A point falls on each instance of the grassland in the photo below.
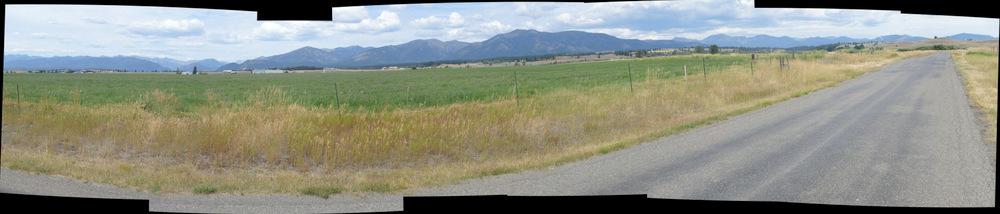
(283, 133)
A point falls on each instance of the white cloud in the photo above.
(386, 22)
(523, 9)
(577, 20)
(350, 14)
(626, 33)
(294, 30)
(306, 30)
(479, 32)
(229, 38)
(271, 31)
(167, 28)
(433, 22)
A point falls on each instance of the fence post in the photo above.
(685, 73)
(703, 72)
(336, 92)
(18, 99)
(517, 103)
(781, 63)
(631, 90)
(788, 62)
(751, 64)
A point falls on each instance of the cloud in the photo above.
(479, 32)
(305, 30)
(577, 20)
(285, 31)
(523, 9)
(626, 33)
(167, 28)
(229, 38)
(271, 31)
(435, 23)
(350, 14)
(385, 22)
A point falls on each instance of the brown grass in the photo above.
(980, 73)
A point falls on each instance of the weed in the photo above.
(323, 192)
(205, 189)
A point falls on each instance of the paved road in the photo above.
(904, 135)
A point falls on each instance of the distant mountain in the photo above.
(203, 65)
(188, 65)
(966, 36)
(165, 62)
(17, 57)
(414, 51)
(532, 42)
(305, 56)
(897, 38)
(82, 62)
(347, 52)
(766, 41)
(514, 43)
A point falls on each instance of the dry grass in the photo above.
(941, 41)
(278, 147)
(979, 68)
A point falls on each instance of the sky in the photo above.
(233, 35)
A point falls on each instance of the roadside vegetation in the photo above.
(979, 68)
(933, 47)
(392, 131)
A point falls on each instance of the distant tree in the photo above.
(640, 53)
(714, 49)
(699, 49)
(195, 71)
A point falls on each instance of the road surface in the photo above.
(902, 136)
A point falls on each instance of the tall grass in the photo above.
(271, 143)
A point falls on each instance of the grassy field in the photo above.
(373, 90)
(394, 130)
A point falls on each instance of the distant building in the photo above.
(264, 71)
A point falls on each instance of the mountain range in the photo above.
(515, 43)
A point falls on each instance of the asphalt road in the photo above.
(902, 136)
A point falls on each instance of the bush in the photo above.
(933, 47)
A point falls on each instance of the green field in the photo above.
(373, 90)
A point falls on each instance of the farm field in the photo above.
(393, 130)
(372, 90)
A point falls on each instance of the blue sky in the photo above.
(230, 35)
